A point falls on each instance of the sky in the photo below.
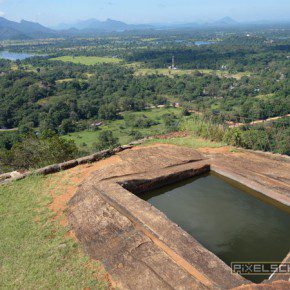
(53, 12)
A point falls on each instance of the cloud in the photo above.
(2, 13)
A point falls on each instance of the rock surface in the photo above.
(264, 172)
(138, 245)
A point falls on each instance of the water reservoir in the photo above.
(226, 219)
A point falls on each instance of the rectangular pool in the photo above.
(227, 220)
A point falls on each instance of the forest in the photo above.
(70, 85)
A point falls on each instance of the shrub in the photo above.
(34, 152)
(171, 122)
(136, 135)
(107, 140)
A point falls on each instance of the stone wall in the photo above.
(15, 175)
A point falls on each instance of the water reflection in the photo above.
(231, 223)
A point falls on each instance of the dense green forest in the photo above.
(234, 77)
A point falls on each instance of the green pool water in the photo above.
(227, 220)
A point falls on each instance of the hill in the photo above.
(108, 25)
(12, 34)
(226, 21)
(23, 30)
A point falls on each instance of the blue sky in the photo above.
(51, 12)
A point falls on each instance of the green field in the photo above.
(87, 60)
(120, 130)
(87, 139)
(179, 72)
(264, 97)
(65, 80)
(188, 141)
(224, 73)
(35, 250)
(161, 71)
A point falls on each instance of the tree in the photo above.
(171, 122)
(136, 135)
(108, 112)
(26, 128)
(67, 126)
(107, 140)
(34, 152)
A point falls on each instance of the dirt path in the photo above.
(235, 125)
(8, 130)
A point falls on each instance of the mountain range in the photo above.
(23, 30)
(32, 30)
(105, 26)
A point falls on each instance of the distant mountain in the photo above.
(109, 25)
(226, 21)
(12, 34)
(23, 30)
(32, 30)
(92, 27)
(102, 26)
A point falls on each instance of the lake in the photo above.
(14, 55)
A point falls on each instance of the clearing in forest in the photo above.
(123, 131)
(87, 60)
(180, 72)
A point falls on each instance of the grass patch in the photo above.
(87, 60)
(179, 72)
(224, 73)
(161, 71)
(264, 97)
(121, 131)
(150, 39)
(34, 252)
(188, 141)
(65, 80)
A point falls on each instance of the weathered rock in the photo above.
(15, 174)
(102, 154)
(138, 245)
(117, 150)
(86, 159)
(277, 285)
(126, 147)
(282, 276)
(65, 165)
(261, 172)
(48, 169)
(5, 176)
(68, 164)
